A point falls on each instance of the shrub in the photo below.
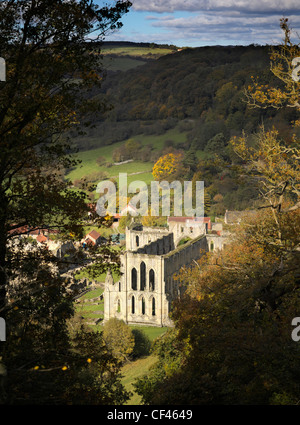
(142, 344)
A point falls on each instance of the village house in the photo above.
(93, 238)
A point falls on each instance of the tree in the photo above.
(153, 221)
(50, 73)
(46, 363)
(282, 66)
(168, 167)
(216, 144)
(232, 342)
(119, 338)
(142, 344)
(276, 165)
(101, 160)
(190, 163)
(132, 147)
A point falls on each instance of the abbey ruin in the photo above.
(147, 287)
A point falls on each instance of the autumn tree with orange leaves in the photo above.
(232, 340)
(168, 167)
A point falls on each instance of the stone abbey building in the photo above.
(147, 287)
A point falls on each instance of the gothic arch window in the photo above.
(211, 246)
(151, 280)
(137, 241)
(143, 306)
(153, 306)
(142, 276)
(134, 279)
(119, 286)
(118, 306)
(132, 304)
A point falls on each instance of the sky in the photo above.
(196, 23)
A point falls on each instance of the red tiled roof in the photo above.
(41, 238)
(18, 230)
(94, 234)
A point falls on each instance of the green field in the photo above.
(89, 164)
(133, 370)
(152, 332)
(136, 51)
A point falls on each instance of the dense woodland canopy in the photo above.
(202, 88)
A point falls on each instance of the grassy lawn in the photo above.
(136, 369)
(133, 370)
(88, 310)
(151, 331)
(93, 294)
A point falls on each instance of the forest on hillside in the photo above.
(202, 89)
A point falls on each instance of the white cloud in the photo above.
(211, 22)
(257, 6)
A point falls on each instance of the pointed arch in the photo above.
(143, 306)
(142, 276)
(151, 280)
(134, 279)
(153, 307)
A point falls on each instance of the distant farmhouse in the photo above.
(147, 287)
(94, 238)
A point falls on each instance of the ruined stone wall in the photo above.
(185, 229)
(131, 299)
(137, 239)
(158, 247)
(146, 289)
(216, 242)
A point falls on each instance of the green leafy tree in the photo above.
(142, 344)
(119, 338)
